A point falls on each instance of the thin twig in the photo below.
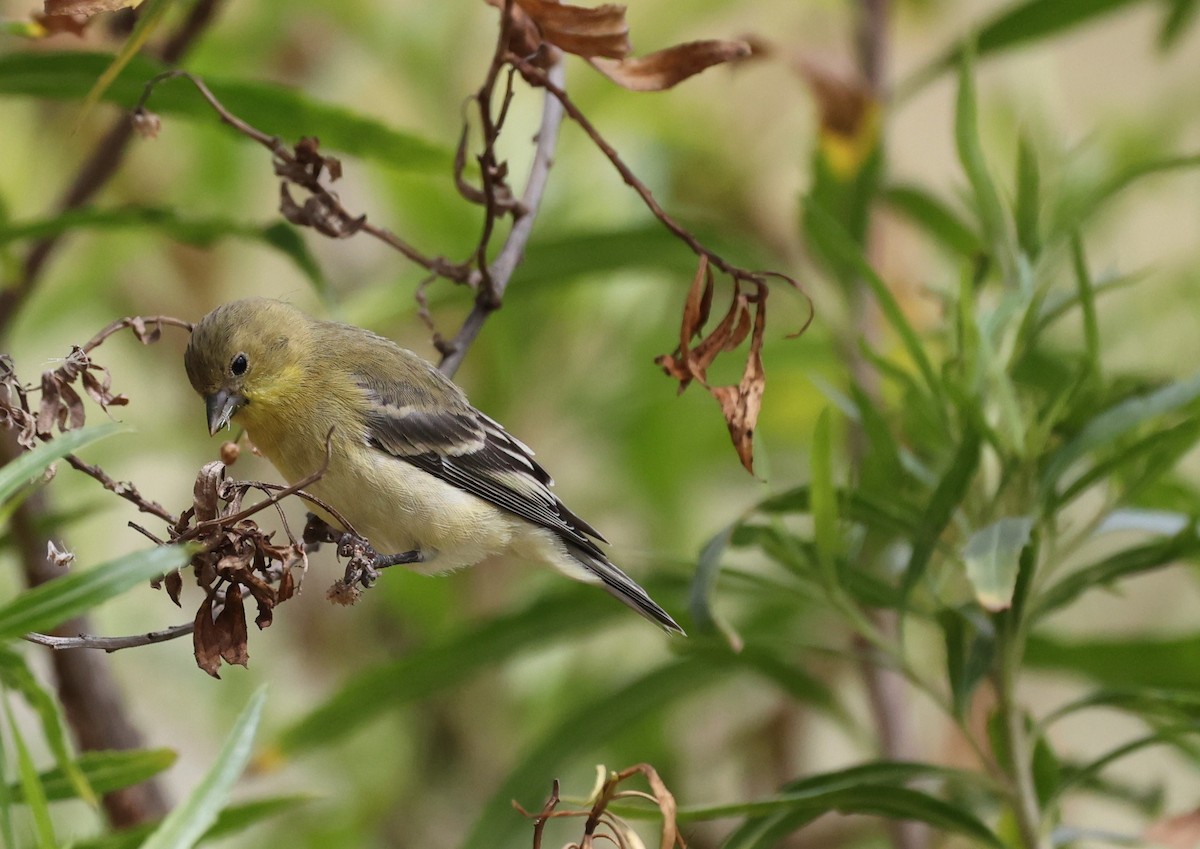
(111, 644)
(501, 270)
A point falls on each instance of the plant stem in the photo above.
(1016, 738)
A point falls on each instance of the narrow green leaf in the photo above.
(578, 733)
(970, 154)
(1081, 775)
(1029, 203)
(824, 500)
(1123, 564)
(853, 505)
(1163, 663)
(842, 246)
(31, 787)
(1076, 210)
(1087, 303)
(1117, 421)
(881, 800)
(149, 16)
(19, 472)
(105, 772)
(1180, 15)
(992, 555)
(952, 488)
(187, 823)
(54, 602)
(1150, 704)
(767, 832)
(233, 819)
(970, 640)
(1059, 302)
(446, 665)
(276, 110)
(7, 833)
(15, 675)
(934, 218)
(200, 232)
(704, 584)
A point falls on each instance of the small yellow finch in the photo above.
(412, 465)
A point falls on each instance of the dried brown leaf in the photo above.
(206, 639)
(231, 622)
(698, 305)
(72, 406)
(86, 8)
(206, 491)
(50, 405)
(47, 25)
(740, 404)
(667, 68)
(599, 31)
(174, 585)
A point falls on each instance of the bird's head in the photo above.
(245, 353)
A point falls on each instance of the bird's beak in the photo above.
(221, 405)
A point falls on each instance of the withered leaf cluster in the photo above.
(600, 34)
(60, 405)
(237, 560)
(746, 316)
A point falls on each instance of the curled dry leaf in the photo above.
(740, 404)
(667, 68)
(47, 25)
(584, 31)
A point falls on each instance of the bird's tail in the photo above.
(626, 589)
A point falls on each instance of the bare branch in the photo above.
(501, 270)
(111, 644)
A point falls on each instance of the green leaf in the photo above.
(882, 800)
(445, 665)
(1166, 663)
(578, 733)
(31, 788)
(1076, 210)
(6, 796)
(149, 16)
(992, 556)
(1087, 303)
(970, 640)
(704, 584)
(16, 676)
(951, 489)
(105, 772)
(187, 823)
(276, 110)
(1093, 769)
(934, 218)
(200, 232)
(1117, 421)
(843, 247)
(1028, 200)
(1123, 564)
(1150, 704)
(54, 602)
(233, 819)
(18, 473)
(970, 154)
(824, 500)
(1180, 15)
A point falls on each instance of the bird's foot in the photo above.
(366, 563)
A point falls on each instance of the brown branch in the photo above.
(327, 215)
(501, 269)
(112, 644)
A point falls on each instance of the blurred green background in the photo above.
(567, 365)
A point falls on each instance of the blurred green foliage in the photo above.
(993, 415)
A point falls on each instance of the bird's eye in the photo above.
(239, 365)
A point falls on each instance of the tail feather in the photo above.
(626, 589)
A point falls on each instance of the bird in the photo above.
(412, 466)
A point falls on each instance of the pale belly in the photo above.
(400, 508)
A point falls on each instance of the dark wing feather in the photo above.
(466, 449)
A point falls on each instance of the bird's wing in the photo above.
(466, 449)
